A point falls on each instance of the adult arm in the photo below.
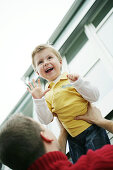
(94, 116)
(62, 139)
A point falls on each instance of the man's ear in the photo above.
(45, 137)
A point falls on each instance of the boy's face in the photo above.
(47, 64)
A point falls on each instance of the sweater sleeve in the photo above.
(99, 159)
(41, 109)
(87, 91)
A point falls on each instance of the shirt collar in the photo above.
(63, 76)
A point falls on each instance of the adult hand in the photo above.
(93, 115)
(36, 90)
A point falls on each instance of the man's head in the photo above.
(47, 62)
(22, 141)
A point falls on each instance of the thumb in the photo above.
(69, 76)
(46, 91)
(79, 118)
(83, 117)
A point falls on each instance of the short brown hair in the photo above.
(20, 142)
(42, 47)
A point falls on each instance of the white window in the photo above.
(105, 32)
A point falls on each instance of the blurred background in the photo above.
(82, 30)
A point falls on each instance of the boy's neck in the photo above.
(56, 79)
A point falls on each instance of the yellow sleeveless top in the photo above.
(67, 103)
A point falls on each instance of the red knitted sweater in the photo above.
(101, 159)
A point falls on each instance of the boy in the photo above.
(66, 96)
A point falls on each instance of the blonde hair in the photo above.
(42, 47)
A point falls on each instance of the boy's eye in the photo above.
(40, 62)
(49, 57)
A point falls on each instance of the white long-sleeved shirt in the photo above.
(86, 90)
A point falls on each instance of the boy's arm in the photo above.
(40, 106)
(87, 91)
(41, 109)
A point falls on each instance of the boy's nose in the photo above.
(46, 63)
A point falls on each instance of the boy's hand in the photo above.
(73, 77)
(36, 90)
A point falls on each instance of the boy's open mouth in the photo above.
(48, 70)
